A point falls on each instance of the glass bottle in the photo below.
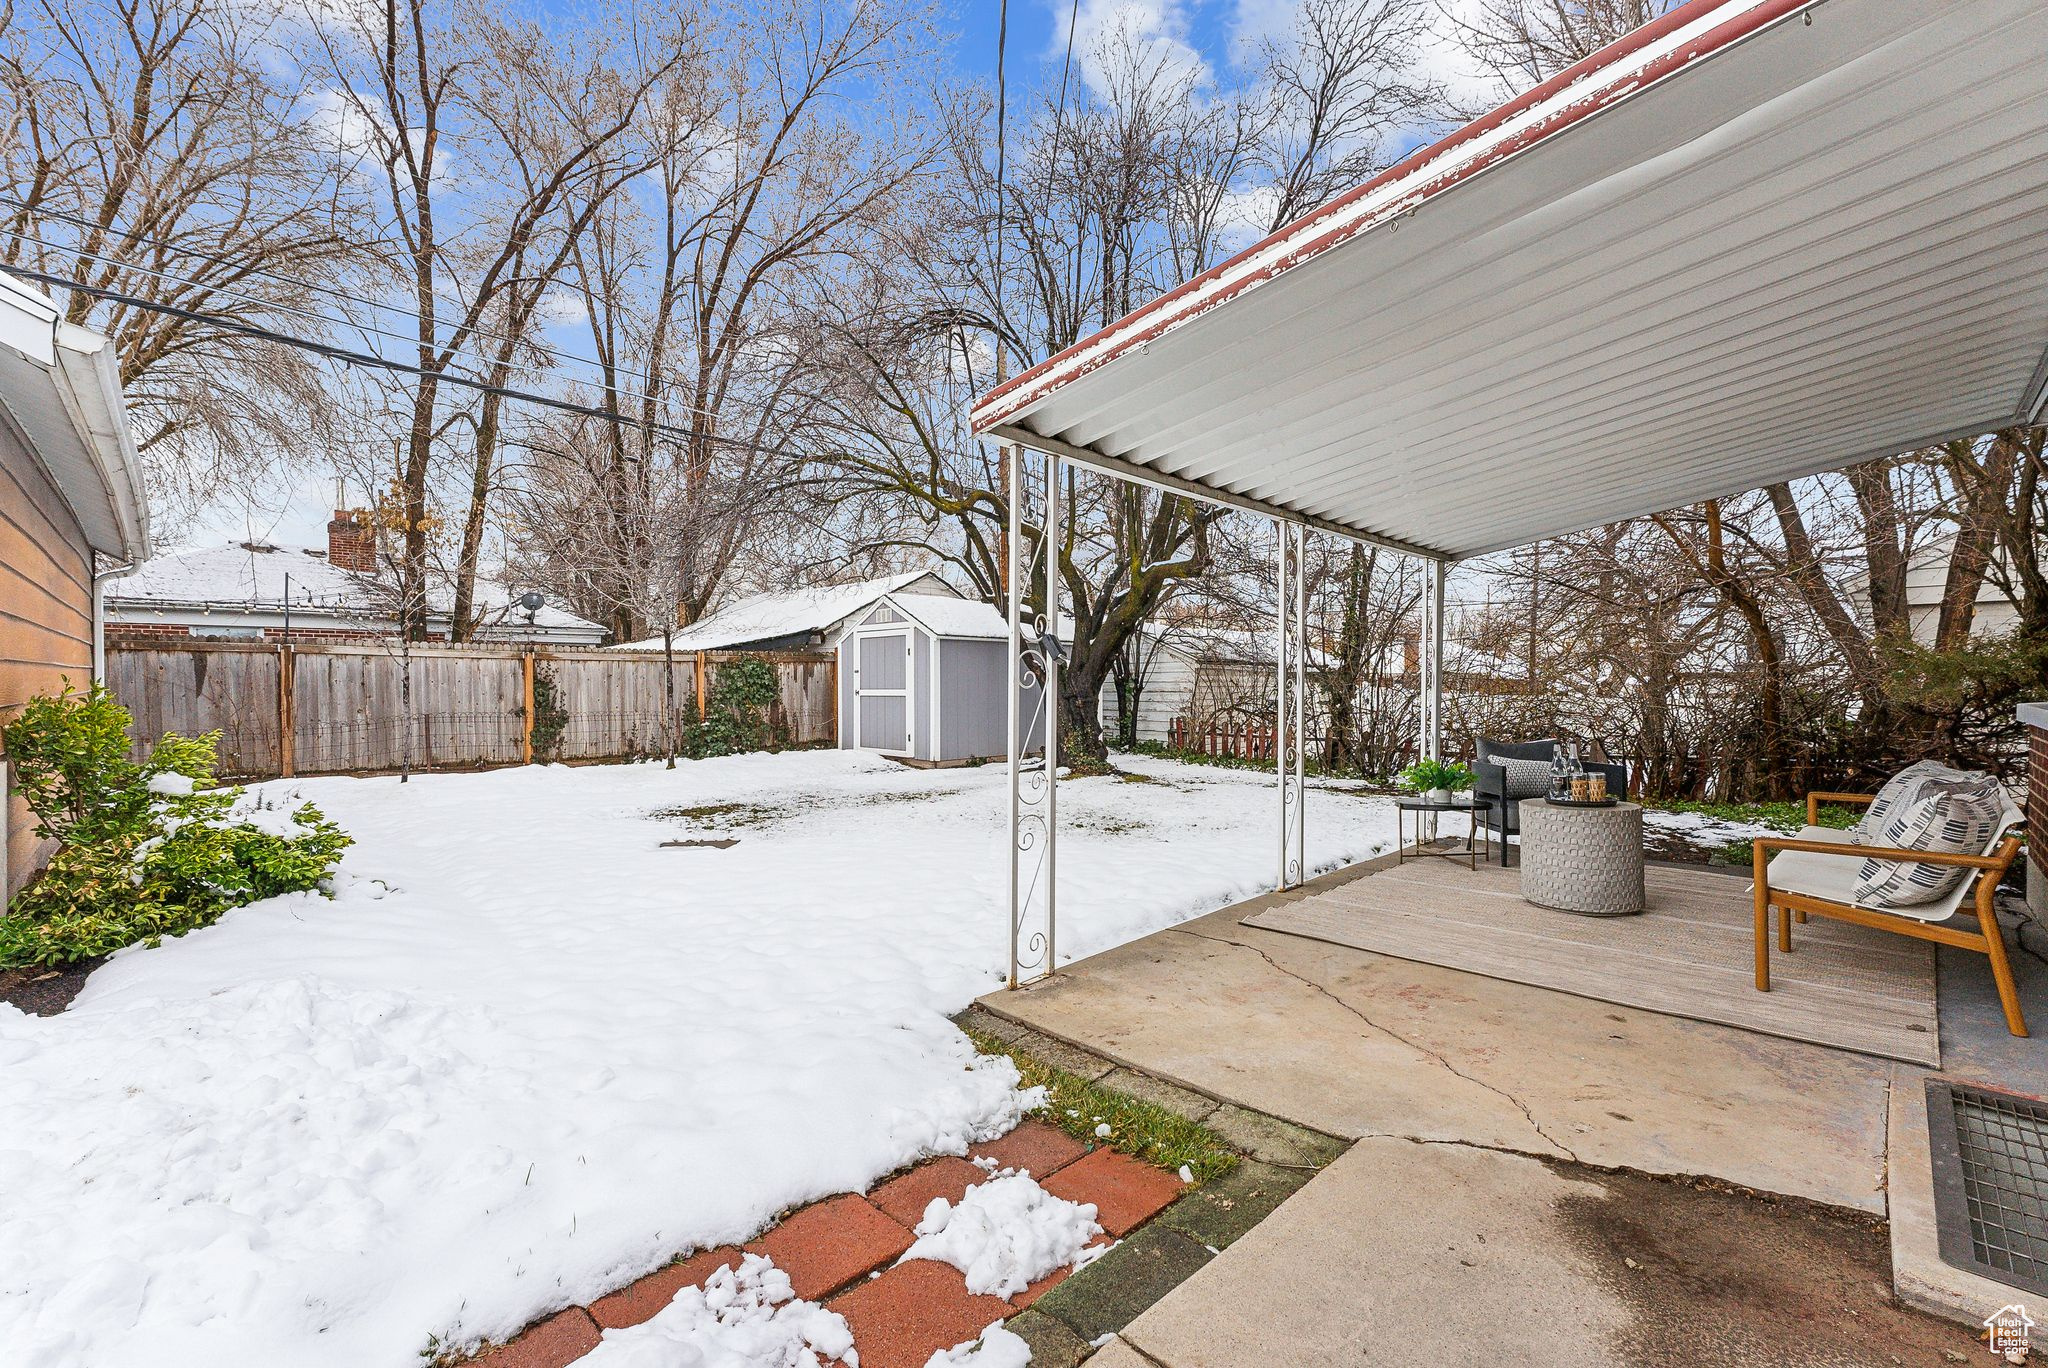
(1560, 773)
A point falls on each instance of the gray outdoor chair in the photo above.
(1490, 781)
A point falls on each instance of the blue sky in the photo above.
(1213, 37)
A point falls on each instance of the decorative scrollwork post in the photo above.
(1291, 702)
(1430, 744)
(1034, 670)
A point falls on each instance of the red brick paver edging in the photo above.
(843, 1251)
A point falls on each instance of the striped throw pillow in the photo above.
(1902, 788)
(1947, 817)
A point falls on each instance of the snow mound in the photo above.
(746, 1317)
(1005, 1234)
(525, 1054)
(998, 1347)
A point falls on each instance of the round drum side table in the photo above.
(1587, 860)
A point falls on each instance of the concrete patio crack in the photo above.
(1125, 1339)
(1434, 1056)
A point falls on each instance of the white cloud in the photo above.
(1443, 58)
(1107, 33)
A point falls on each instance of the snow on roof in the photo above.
(954, 617)
(253, 576)
(783, 613)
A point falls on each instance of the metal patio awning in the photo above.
(1754, 240)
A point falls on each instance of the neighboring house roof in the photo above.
(61, 386)
(792, 616)
(251, 578)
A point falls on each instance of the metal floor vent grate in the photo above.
(1991, 1182)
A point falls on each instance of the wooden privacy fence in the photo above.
(334, 707)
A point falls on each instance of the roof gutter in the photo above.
(89, 384)
(99, 616)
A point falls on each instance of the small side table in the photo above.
(1472, 805)
(1587, 860)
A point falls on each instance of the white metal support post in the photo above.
(1290, 702)
(1034, 711)
(1431, 741)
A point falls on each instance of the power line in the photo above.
(129, 235)
(375, 362)
(1002, 169)
(1059, 117)
(308, 314)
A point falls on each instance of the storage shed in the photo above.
(921, 678)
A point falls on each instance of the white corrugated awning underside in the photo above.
(1769, 239)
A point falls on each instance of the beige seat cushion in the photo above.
(1832, 877)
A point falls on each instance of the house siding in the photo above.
(45, 614)
(922, 657)
(1168, 693)
(974, 713)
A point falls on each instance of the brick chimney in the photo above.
(352, 541)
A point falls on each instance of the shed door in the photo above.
(881, 692)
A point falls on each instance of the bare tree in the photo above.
(493, 145)
(1523, 42)
(630, 541)
(164, 151)
(775, 167)
(1341, 87)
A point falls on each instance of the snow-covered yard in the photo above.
(528, 1052)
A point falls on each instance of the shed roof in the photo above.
(783, 613)
(1753, 240)
(953, 617)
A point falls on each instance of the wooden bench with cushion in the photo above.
(1815, 873)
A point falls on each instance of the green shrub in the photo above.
(148, 850)
(1786, 817)
(550, 716)
(736, 710)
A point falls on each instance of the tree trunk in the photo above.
(1713, 567)
(668, 689)
(1984, 487)
(1884, 555)
(1346, 677)
(412, 513)
(1875, 714)
(462, 626)
(1082, 747)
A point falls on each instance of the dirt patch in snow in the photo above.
(46, 992)
(723, 814)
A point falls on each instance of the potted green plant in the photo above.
(1437, 780)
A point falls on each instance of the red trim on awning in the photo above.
(989, 410)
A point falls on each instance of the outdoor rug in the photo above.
(1689, 954)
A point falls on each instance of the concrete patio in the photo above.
(1507, 1142)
